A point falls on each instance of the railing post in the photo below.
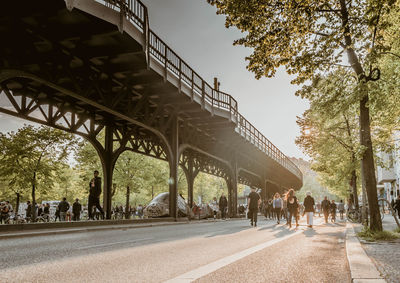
(146, 33)
(121, 17)
(180, 75)
(203, 93)
(212, 101)
(192, 94)
(230, 109)
(165, 64)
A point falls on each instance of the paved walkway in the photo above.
(385, 255)
(268, 253)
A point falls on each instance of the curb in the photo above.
(362, 269)
(99, 228)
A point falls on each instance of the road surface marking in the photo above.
(114, 243)
(209, 268)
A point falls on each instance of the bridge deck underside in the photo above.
(83, 65)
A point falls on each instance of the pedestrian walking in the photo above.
(341, 209)
(284, 211)
(270, 209)
(325, 205)
(76, 210)
(333, 208)
(63, 207)
(223, 204)
(4, 213)
(293, 207)
(94, 195)
(254, 201)
(277, 205)
(140, 211)
(57, 214)
(309, 204)
(46, 212)
(40, 210)
(318, 209)
(28, 211)
(214, 206)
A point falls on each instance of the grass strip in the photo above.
(378, 236)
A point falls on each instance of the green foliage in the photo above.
(207, 187)
(329, 131)
(307, 37)
(34, 158)
(318, 192)
(372, 236)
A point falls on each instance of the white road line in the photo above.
(114, 243)
(209, 268)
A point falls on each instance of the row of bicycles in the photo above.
(355, 215)
(19, 219)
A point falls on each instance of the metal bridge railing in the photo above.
(136, 13)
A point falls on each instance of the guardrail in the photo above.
(136, 13)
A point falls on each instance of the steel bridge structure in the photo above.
(91, 66)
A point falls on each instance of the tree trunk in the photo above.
(34, 197)
(368, 167)
(127, 210)
(354, 187)
(17, 204)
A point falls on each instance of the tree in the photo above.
(329, 132)
(310, 37)
(34, 157)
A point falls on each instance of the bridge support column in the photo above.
(108, 169)
(191, 173)
(173, 168)
(232, 183)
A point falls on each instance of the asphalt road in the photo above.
(157, 254)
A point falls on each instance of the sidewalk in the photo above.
(45, 229)
(384, 255)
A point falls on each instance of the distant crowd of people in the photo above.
(285, 206)
(288, 207)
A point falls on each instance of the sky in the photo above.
(193, 30)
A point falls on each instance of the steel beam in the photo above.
(173, 159)
(108, 161)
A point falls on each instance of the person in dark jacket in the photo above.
(293, 207)
(46, 212)
(253, 202)
(40, 210)
(76, 210)
(28, 211)
(325, 206)
(309, 209)
(63, 207)
(94, 195)
(223, 204)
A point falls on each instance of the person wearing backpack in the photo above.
(293, 207)
(63, 207)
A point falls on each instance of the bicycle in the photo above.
(353, 215)
(382, 207)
